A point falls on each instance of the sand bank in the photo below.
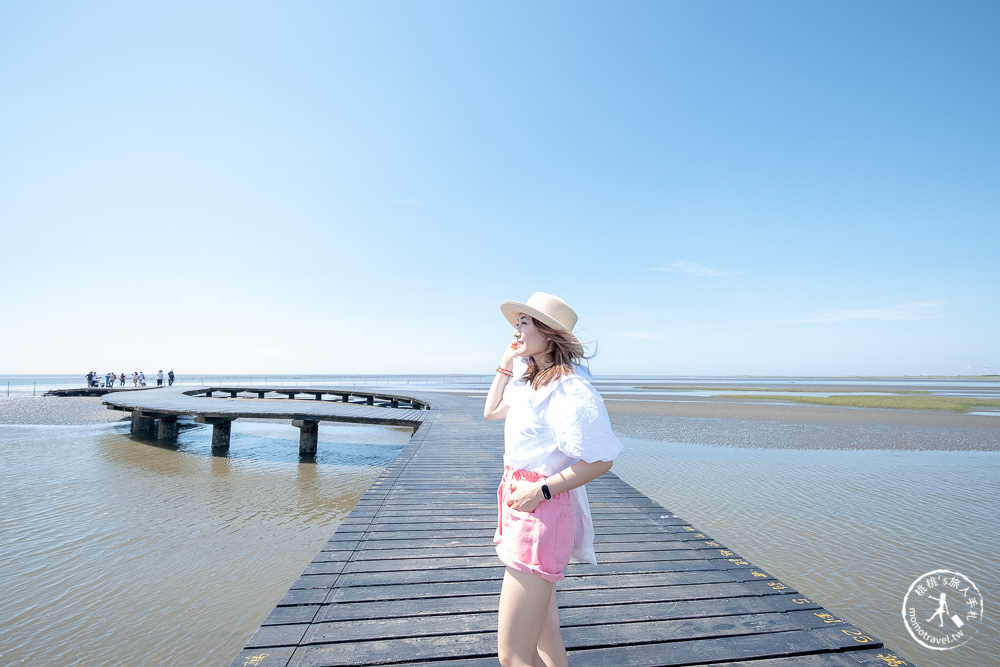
(748, 423)
(50, 410)
(709, 421)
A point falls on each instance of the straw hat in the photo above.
(546, 308)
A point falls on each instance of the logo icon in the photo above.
(942, 610)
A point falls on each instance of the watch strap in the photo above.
(545, 492)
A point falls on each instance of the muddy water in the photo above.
(850, 529)
(118, 552)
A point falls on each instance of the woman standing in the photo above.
(557, 437)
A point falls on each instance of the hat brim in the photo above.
(512, 311)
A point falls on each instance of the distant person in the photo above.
(111, 379)
(170, 378)
(135, 378)
(557, 437)
(90, 379)
(159, 378)
(122, 378)
(107, 379)
(142, 379)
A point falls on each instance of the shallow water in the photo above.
(121, 552)
(851, 529)
(117, 551)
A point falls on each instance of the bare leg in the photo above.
(526, 603)
(550, 642)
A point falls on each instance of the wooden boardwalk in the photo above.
(348, 406)
(411, 578)
(155, 413)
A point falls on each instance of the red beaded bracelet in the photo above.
(505, 371)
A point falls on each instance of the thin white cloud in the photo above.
(923, 310)
(694, 268)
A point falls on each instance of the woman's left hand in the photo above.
(524, 496)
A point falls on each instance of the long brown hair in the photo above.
(566, 351)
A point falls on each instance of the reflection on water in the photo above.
(852, 529)
(117, 551)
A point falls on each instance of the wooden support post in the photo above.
(394, 403)
(308, 436)
(371, 400)
(319, 397)
(167, 429)
(221, 429)
(221, 433)
(346, 398)
(260, 394)
(232, 394)
(141, 424)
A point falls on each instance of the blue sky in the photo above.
(780, 188)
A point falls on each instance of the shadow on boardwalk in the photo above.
(410, 577)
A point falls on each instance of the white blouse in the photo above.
(548, 430)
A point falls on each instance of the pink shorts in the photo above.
(539, 542)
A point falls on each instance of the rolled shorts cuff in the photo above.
(539, 542)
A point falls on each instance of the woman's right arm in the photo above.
(495, 407)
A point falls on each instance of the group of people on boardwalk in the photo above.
(138, 379)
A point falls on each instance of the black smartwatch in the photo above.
(545, 492)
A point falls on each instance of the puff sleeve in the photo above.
(580, 423)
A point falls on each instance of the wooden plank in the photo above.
(875, 657)
(185, 403)
(411, 577)
(702, 650)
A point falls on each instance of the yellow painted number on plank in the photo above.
(858, 636)
(828, 618)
